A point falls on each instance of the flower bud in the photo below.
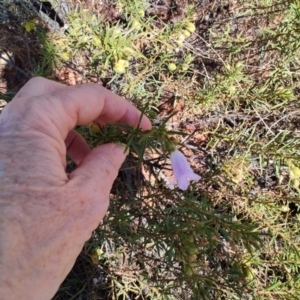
(190, 27)
(172, 67)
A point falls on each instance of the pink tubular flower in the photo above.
(182, 171)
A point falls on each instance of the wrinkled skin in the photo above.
(46, 215)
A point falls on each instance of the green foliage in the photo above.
(234, 234)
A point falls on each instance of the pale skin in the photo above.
(46, 215)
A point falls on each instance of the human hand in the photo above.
(46, 215)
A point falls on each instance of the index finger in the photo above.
(91, 102)
(65, 107)
(37, 86)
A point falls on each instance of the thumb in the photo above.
(99, 168)
(90, 184)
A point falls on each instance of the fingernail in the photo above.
(121, 147)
